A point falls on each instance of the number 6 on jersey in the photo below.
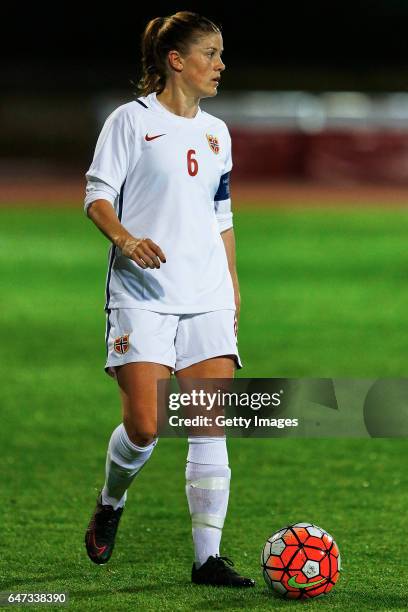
(192, 163)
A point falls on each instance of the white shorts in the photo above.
(177, 341)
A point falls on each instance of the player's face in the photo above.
(203, 66)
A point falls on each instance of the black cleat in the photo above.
(101, 532)
(218, 571)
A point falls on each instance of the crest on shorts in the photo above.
(214, 144)
(121, 344)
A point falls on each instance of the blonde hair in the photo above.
(163, 34)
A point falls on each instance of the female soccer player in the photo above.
(158, 188)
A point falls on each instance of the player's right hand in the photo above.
(144, 252)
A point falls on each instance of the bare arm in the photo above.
(143, 251)
(228, 238)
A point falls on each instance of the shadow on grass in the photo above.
(30, 582)
(145, 588)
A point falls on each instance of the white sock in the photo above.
(207, 490)
(123, 461)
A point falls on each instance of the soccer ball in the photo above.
(300, 561)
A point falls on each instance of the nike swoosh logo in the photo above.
(147, 137)
(99, 549)
(303, 585)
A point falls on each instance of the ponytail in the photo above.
(154, 73)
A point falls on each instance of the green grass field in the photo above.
(324, 294)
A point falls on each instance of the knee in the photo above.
(141, 436)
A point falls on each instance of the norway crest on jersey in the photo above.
(214, 144)
(121, 344)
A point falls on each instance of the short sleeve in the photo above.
(113, 149)
(98, 190)
(228, 157)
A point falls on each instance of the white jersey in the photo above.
(169, 176)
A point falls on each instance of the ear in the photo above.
(176, 61)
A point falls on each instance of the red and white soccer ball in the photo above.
(301, 561)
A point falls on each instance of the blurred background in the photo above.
(313, 95)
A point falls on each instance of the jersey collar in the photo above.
(155, 104)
